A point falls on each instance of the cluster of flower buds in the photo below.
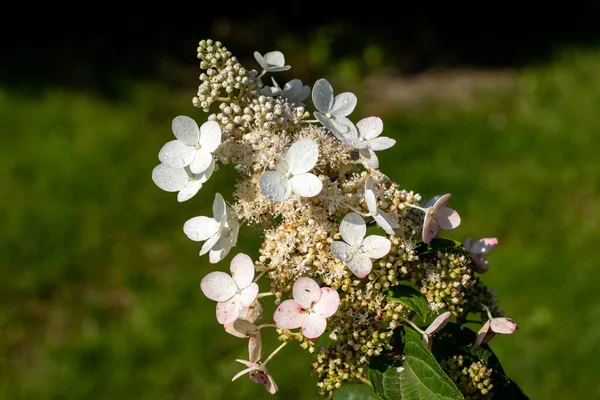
(303, 180)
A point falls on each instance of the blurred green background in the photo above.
(99, 287)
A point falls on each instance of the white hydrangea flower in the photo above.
(386, 221)
(368, 141)
(180, 180)
(333, 110)
(293, 91)
(356, 251)
(273, 61)
(220, 232)
(194, 146)
(292, 174)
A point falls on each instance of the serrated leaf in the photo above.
(406, 293)
(436, 244)
(355, 392)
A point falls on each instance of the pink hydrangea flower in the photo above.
(436, 326)
(493, 326)
(438, 216)
(259, 374)
(309, 309)
(234, 292)
(478, 249)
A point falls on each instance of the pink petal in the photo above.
(430, 227)
(484, 246)
(481, 335)
(306, 292)
(447, 218)
(504, 326)
(229, 311)
(218, 286)
(480, 264)
(242, 270)
(289, 315)
(441, 202)
(264, 378)
(328, 304)
(248, 295)
(255, 347)
(360, 265)
(313, 326)
(438, 323)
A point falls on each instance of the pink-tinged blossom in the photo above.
(478, 249)
(309, 309)
(232, 293)
(438, 216)
(494, 326)
(440, 322)
(259, 374)
(356, 251)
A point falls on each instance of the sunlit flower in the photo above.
(193, 147)
(478, 249)
(180, 180)
(292, 174)
(234, 292)
(259, 374)
(273, 61)
(220, 232)
(356, 250)
(309, 308)
(387, 222)
(333, 110)
(368, 140)
(438, 216)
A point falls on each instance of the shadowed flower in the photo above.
(386, 221)
(493, 326)
(478, 249)
(440, 322)
(259, 374)
(273, 61)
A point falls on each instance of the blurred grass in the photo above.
(99, 285)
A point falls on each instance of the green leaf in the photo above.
(355, 392)
(406, 293)
(436, 244)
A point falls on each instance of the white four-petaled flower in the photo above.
(220, 232)
(386, 221)
(273, 61)
(180, 180)
(478, 249)
(356, 250)
(234, 292)
(438, 216)
(333, 110)
(309, 309)
(293, 91)
(368, 141)
(194, 146)
(292, 174)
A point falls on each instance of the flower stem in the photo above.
(259, 276)
(414, 326)
(310, 121)
(266, 326)
(265, 294)
(274, 352)
(355, 210)
(417, 207)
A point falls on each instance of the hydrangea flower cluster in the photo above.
(338, 234)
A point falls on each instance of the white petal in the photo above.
(210, 136)
(242, 270)
(186, 130)
(189, 191)
(369, 158)
(229, 311)
(341, 250)
(503, 325)
(302, 156)
(322, 96)
(483, 246)
(200, 228)
(219, 207)
(447, 218)
(313, 326)
(169, 179)
(370, 197)
(384, 223)
(289, 315)
(210, 243)
(176, 154)
(248, 295)
(343, 104)
(306, 292)
(202, 161)
(254, 346)
(369, 128)
(328, 303)
(360, 265)
(275, 61)
(260, 60)
(438, 323)
(376, 246)
(218, 286)
(353, 228)
(381, 143)
(306, 185)
(275, 186)
(220, 250)
(343, 127)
